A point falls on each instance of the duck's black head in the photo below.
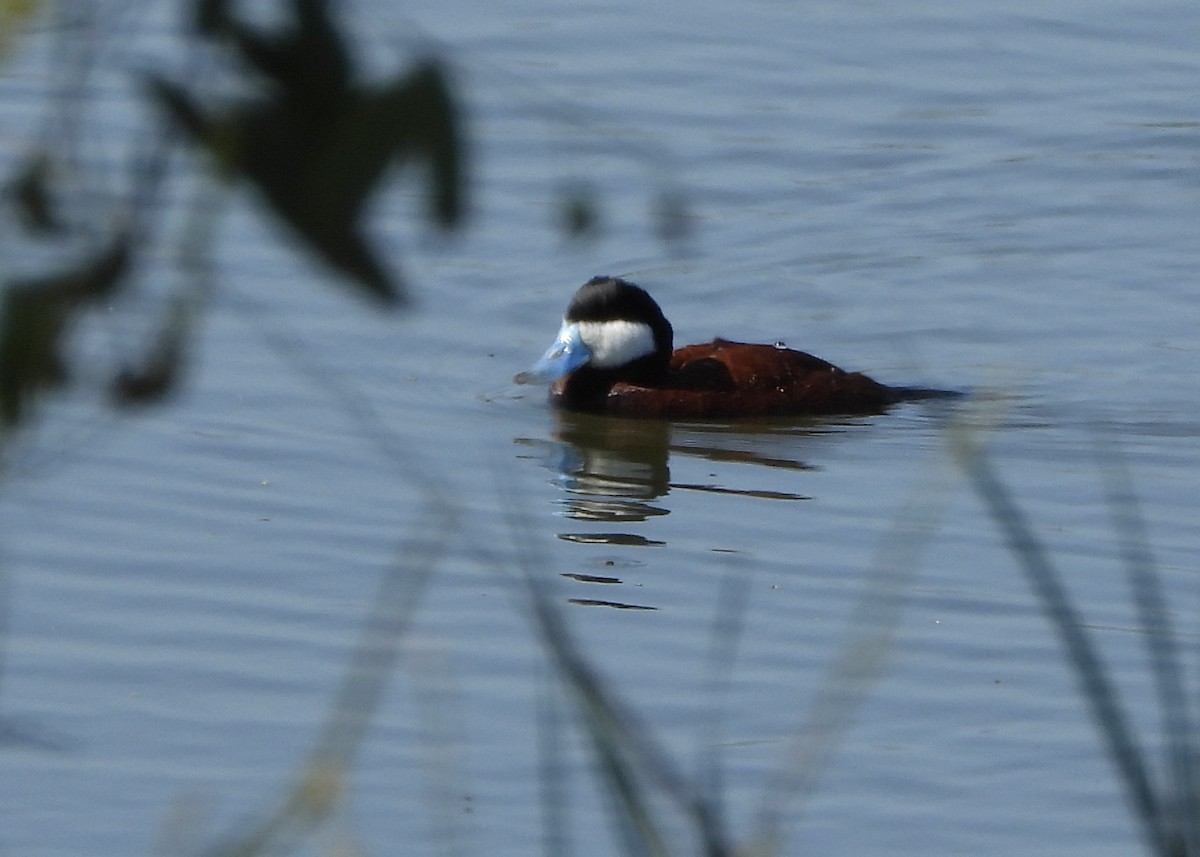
(613, 329)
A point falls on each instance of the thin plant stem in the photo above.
(861, 659)
(1161, 646)
(1097, 690)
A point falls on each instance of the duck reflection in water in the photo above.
(613, 473)
(614, 469)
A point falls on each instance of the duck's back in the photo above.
(723, 379)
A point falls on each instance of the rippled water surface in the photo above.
(1001, 200)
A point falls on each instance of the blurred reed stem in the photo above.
(1165, 815)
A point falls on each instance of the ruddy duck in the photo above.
(613, 355)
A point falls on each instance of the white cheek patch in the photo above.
(615, 343)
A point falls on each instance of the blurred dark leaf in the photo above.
(318, 146)
(31, 194)
(580, 212)
(35, 316)
(414, 115)
(157, 375)
(673, 221)
(177, 103)
(212, 16)
(308, 64)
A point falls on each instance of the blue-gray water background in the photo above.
(979, 196)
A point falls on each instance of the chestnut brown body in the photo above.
(724, 379)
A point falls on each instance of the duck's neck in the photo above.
(587, 388)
